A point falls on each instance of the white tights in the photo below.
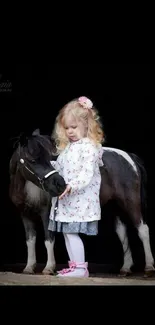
(75, 248)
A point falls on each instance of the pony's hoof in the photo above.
(29, 270)
(124, 273)
(48, 271)
(149, 273)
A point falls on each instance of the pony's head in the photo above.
(32, 159)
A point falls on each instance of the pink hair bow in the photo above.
(85, 102)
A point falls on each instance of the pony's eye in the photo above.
(33, 161)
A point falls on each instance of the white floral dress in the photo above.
(80, 210)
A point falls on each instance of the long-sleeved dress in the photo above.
(78, 211)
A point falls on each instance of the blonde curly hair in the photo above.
(81, 109)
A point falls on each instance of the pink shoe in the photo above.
(75, 270)
(72, 266)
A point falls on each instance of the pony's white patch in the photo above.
(123, 154)
(33, 192)
(122, 234)
(50, 254)
(143, 232)
(31, 251)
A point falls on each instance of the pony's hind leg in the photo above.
(49, 244)
(143, 232)
(122, 234)
(30, 242)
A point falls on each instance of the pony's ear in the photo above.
(36, 132)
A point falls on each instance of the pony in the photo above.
(33, 182)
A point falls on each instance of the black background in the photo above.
(124, 96)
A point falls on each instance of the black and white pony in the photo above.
(33, 181)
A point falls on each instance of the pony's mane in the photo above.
(16, 188)
(38, 144)
(34, 144)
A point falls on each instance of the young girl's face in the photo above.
(75, 129)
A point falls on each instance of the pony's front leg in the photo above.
(49, 244)
(30, 242)
(122, 234)
(50, 265)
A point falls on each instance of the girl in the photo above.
(78, 135)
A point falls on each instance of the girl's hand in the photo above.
(67, 190)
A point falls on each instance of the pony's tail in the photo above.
(143, 176)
